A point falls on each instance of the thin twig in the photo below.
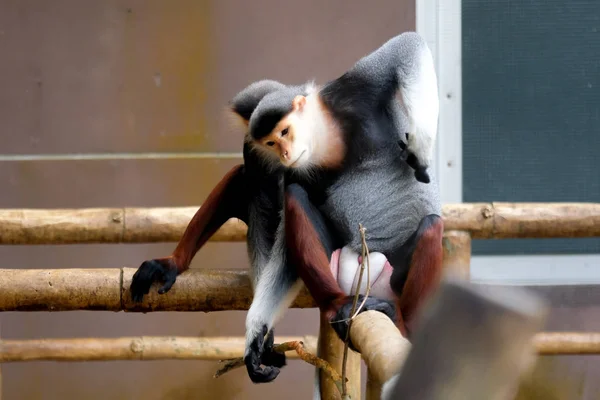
(228, 365)
(365, 254)
(297, 346)
(355, 311)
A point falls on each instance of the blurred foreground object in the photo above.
(471, 343)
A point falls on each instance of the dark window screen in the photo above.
(531, 109)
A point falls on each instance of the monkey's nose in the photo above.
(286, 155)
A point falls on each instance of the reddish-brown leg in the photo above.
(310, 245)
(424, 273)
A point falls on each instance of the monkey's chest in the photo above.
(372, 197)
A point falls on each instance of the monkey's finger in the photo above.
(267, 374)
(143, 279)
(273, 359)
(270, 357)
(169, 278)
(261, 375)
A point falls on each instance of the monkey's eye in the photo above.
(271, 143)
(284, 132)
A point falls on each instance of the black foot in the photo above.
(158, 270)
(261, 353)
(344, 313)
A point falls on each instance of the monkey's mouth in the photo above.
(297, 159)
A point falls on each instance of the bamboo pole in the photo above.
(105, 225)
(0, 362)
(148, 225)
(381, 346)
(457, 254)
(567, 343)
(373, 334)
(135, 348)
(108, 289)
(331, 349)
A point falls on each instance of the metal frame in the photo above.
(440, 22)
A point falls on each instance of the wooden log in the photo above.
(471, 343)
(60, 289)
(167, 225)
(457, 254)
(148, 225)
(108, 289)
(381, 346)
(567, 343)
(105, 225)
(524, 220)
(331, 349)
(134, 348)
(0, 363)
(375, 348)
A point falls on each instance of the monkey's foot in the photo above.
(339, 322)
(261, 353)
(157, 270)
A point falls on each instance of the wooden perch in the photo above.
(375, 348)
(471, 343)
(134, 348)
(147, 225)
(108, 289)
(381, 346)
(195, 290)
(567, 343)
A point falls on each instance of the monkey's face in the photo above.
(285, 142)
(289, 141)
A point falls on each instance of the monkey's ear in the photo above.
(298, 102)
(244, 103)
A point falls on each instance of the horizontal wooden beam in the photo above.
(218, 348)
(148, 225)
(567, 343)
(105, 225)
(135, 348)
(108, 289)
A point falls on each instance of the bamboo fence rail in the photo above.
(147, 225)
(218, 290)
(108, 289)
(218, 348)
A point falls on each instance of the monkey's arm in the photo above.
(226, 200)
(403, 65)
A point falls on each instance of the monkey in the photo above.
(338, 146)
(338, 143)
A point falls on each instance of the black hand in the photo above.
(253, 361)
(269, 356)
(158, 270)
(422, 175)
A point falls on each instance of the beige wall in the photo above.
(109, 76)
